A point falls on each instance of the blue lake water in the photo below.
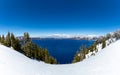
(62, 49)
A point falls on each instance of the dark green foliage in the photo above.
(33, 51)
(52, 60)
(3, 40)
(103, 44)
(81, 55)
(8, 40)
(49, 59)
(108, 36)
(43, 55)
(93, 48)
(116, 35)
(30, 49)
(27, 48)
(26, 37)
(36, 52)
(12, 40)
(17, 45)
(76, 58)
(0, 38)
(83, 51)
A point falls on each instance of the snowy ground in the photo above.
(105, 62)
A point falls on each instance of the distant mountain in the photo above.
(86, 38)
(65, 36)
(77, 37)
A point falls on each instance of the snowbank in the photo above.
(99, 47)
(105, 62)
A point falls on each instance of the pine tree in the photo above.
(41, 54)
(0, 38)
(76, 58)
(12, 39)
(8, 40)
(108, 36)
(103, 44)
(36, 52)
(32, 51)
(26, 37)
(46, 57)
(52, 60)
(3, 40)
(27, 49)
(15, 43)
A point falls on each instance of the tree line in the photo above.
(81, 54)
(27, 47)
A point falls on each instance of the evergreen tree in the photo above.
(8, 40)
(12, 39)
(0, 38)
(52, 60)
(15, 43)
(31, 50)
(117, 35)
(34, 50)
(26, 37)
(27, 49)
(108, 36)
(84, 49)
(80, 55)
(76, 57)
(41, 54)
(46, 57)
(3, 40)
(103, 44)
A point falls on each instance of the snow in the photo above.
(99, 47)
(71, 36)
(105, 62)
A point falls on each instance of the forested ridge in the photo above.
(27, 47)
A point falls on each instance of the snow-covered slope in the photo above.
(105, 62)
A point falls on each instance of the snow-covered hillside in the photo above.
(105, 62)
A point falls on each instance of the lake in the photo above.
(62, 49)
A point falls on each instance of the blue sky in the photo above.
(44, 17)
